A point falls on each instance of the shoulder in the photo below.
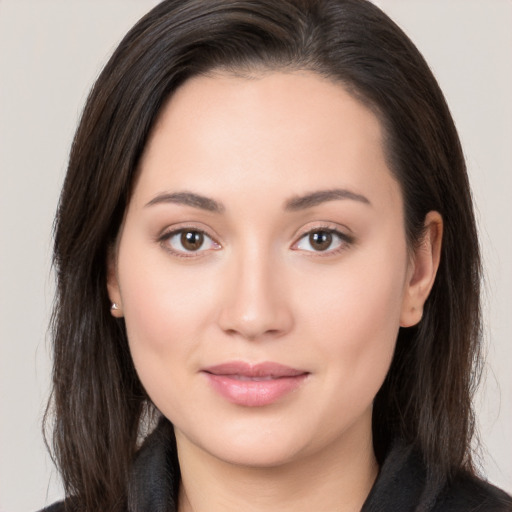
(56, 507)
(405, 484)
(467, 492)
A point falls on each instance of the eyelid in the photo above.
(171, 231)
(333, 227)
(347, 239)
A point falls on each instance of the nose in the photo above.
(255, 303)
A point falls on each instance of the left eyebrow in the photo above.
(322, 196)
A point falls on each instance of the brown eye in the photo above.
(327, 241)
(188, 242)
(192, 240)
(320, 240)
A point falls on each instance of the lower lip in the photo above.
(253, 393)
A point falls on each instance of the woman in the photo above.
(268, 271)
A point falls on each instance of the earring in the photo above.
(114, 306)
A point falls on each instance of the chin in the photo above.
(255, 447)
(260, 456)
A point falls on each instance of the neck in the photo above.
(338, 479)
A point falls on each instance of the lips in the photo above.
(256, 385)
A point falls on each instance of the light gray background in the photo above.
(50, 53)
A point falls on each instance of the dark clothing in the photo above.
(402, 484)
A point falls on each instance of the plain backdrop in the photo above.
(50, 53)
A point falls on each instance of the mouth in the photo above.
(254, 385)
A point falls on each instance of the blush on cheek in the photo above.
(148, 321)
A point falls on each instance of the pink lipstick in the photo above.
(254, 385)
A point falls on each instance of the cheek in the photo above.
(357, 302)
(164, 315)
(160, 298)
(355, 320)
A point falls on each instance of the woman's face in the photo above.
(262, 267)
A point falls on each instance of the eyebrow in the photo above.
(294, 204)
(188, 199)
(322, 196)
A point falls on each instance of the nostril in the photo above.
(253, 335)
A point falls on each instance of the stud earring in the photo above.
(114, 306)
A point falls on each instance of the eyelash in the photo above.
(168, 235)
(344, 241)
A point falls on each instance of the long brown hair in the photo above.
(98, 403)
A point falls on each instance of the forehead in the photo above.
(297, 129)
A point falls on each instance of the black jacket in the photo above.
(401, 486)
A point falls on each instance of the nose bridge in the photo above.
(255, 302)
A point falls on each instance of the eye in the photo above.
(322, 240)
(188, 240)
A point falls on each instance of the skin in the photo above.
(258, 290)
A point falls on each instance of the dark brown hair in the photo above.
(98, 401)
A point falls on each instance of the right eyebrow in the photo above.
(188, 199)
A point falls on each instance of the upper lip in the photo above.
(265, 369)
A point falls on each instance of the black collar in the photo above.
(403, 483)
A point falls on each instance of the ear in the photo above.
(422, 271)
(114, 293)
